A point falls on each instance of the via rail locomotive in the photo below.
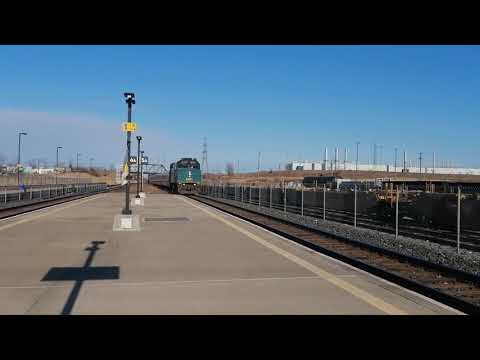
(184, 177)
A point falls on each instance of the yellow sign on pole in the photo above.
(129, 126)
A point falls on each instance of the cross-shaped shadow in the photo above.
(81, 274)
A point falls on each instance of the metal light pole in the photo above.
(78, 154)
(18, 164)
(139, 138)
(56, 170)
(356, 162)
(420, 165)
(258, 167)
(129, 100)
(395, 159)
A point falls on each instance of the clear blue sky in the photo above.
(285, 101)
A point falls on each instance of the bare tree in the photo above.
(229, 168)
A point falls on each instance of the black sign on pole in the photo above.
(144, 160)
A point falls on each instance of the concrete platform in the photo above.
(186, 259)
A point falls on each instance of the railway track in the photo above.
(452, 287)
(27, 206)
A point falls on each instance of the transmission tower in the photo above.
(204, 156)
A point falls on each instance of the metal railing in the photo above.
(15, 195)
(288, 200)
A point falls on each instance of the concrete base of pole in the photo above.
(137, 202)
(126, 223)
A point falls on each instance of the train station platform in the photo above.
(187, 258)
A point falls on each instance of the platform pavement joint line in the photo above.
(49, 211)
(351, 289)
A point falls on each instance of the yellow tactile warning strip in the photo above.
(49, 211)
(351, 289)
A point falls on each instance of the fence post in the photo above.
(259, 197)
(270, 196)
(302, 199)
(285, 199)
(324, 195)
(355, 208)
(5, 193)
(396, 214)
(458, 219)
(250, 196)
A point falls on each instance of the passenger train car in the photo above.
(184, 177)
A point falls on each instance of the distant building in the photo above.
(330, 165)
(46, 171)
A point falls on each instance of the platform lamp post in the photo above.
(56, 170)
(356, 161)
(139, 139)
(129, 99)
(18, 165)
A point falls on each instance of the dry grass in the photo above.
(267, 177)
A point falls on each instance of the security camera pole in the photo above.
(129, 99)
(139, 138)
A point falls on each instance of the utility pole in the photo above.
(395, 159)
(433, 168)
(345, 160)
(78, 154)
(336, 158)
(129, 100)
(326, 159)
(404, 160)
(258, 166)
(420, 158)
(139, 138)
(204, 156)
(56, 170)
(18, 164)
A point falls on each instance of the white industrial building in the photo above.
(331, 165)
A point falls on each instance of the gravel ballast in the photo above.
(468, 261)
